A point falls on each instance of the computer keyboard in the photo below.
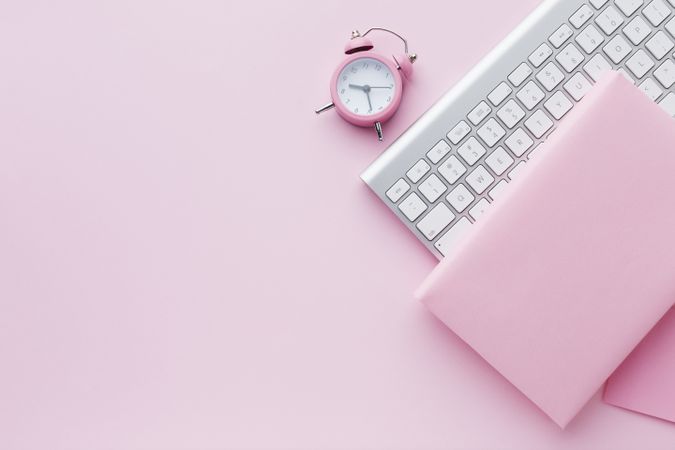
(443, 173)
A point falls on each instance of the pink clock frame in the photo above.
(371, 120)
(399, 65)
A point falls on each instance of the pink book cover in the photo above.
(645, 381)
(572, 267)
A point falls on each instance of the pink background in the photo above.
(188, 258)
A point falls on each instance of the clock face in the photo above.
(366, 87)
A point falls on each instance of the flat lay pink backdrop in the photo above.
(188, 258)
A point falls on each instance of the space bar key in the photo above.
(448, 242)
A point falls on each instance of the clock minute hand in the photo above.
(380, 87)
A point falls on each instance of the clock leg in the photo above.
(378, 130)
(325, 108)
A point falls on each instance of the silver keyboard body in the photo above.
(432, 127)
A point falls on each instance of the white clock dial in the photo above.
(366, 86)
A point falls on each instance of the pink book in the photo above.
(572, 267)
(645, 381)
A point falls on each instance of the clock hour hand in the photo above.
(366, 90)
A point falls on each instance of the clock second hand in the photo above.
(366, 87)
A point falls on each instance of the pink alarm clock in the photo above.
(366, 88)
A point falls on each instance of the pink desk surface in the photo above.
(188, 258)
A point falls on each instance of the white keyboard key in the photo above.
(451, 169)
(570, 57)
(412, 207)
(398, 190)
(666, 74)
(640, 63)
(491, 132)
(629, 6)
(540, 55)
(449, 240)
(519, 141)
(637, 30)
(598, 3)
(499, 94)
(558, 105)
(518, 76)
(530, 95)
(617, 49)
(656, 12)
(651, 89)
(518, 170)
(538, 124)
(670, 26)
(626, 75)
(480, 179)
(460, 198)
(589, 39)
(499, 160)
(560, 36)
(550, 76)
(436, 221)
(417, 171)
(668, 104)
(479, 113)
(471, 151)
(577, 86)
(438, 151)
(597, 66)
(511, 113)
(609, 20)
(479, 209)
(459, 132)
(659, 45)
(498, 190)
(432, 188)
(581, 16)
